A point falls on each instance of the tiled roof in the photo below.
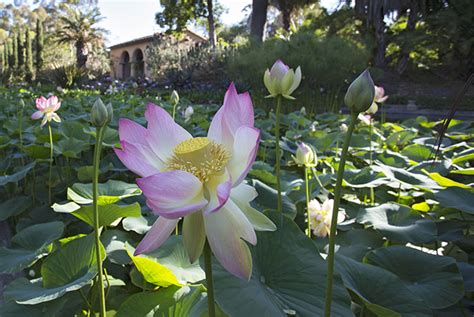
(149, 38)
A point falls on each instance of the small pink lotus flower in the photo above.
(380, 94)
(47, 109)
(200, 179)
(378, 98)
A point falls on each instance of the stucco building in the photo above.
(129, 59)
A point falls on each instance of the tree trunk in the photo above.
(411, 23)
(210, 21)
(258, 20)
(379, 25)
(285, 14)
(81, 54)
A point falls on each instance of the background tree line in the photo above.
(399, 34)
(43, 40)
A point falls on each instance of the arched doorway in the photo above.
(125, 65)
(138, 63)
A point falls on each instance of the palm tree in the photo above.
(79, 27)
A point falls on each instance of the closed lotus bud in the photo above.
(22, 103)
(174, 98)
(361, 93)
(110, 112)
(305, 155)
(99, 114)
(282, 80)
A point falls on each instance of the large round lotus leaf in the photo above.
(288, 276)
(71, 262)
(355, 243)
(114, 242)
(366, 177)
(108, 214)
(467, 272)
(30, 244)
(14, 206)
(465, 155)
(435, 279)
(442, 167)
(37, 151)
(417, 152)
(400, 138)
(39, 235)
(17, 176)
(140, 225)
(71, 147)
(170, 302)
(458, 198)
(172, 254)
(31, 293)
(398, 223)
(109, 192)
(66, 305)
(391, 158)
(408, 179)
(381, 291)
(267, 199)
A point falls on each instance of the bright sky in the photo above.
(130, 19)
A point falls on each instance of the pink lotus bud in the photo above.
(305, 155)
(282, 80)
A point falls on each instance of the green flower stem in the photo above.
(210, 284)
(51, 153)
(306, 180)
(372, 194)
(335, 210)
(174, 110)
(323, 190)
(382, 117)
(95, 194)
(278, 151)
(20, 127)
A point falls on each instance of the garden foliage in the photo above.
(408, 253)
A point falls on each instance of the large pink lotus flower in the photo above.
(47, 109)
(200, 179)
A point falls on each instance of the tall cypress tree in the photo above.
(3, 57)
(21, 50)
(39, 44)
(14, 52)
(28, 56)
(10, 54)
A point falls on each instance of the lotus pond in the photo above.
(404, 243)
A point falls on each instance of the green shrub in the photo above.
(64, 76)
(182, 65)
